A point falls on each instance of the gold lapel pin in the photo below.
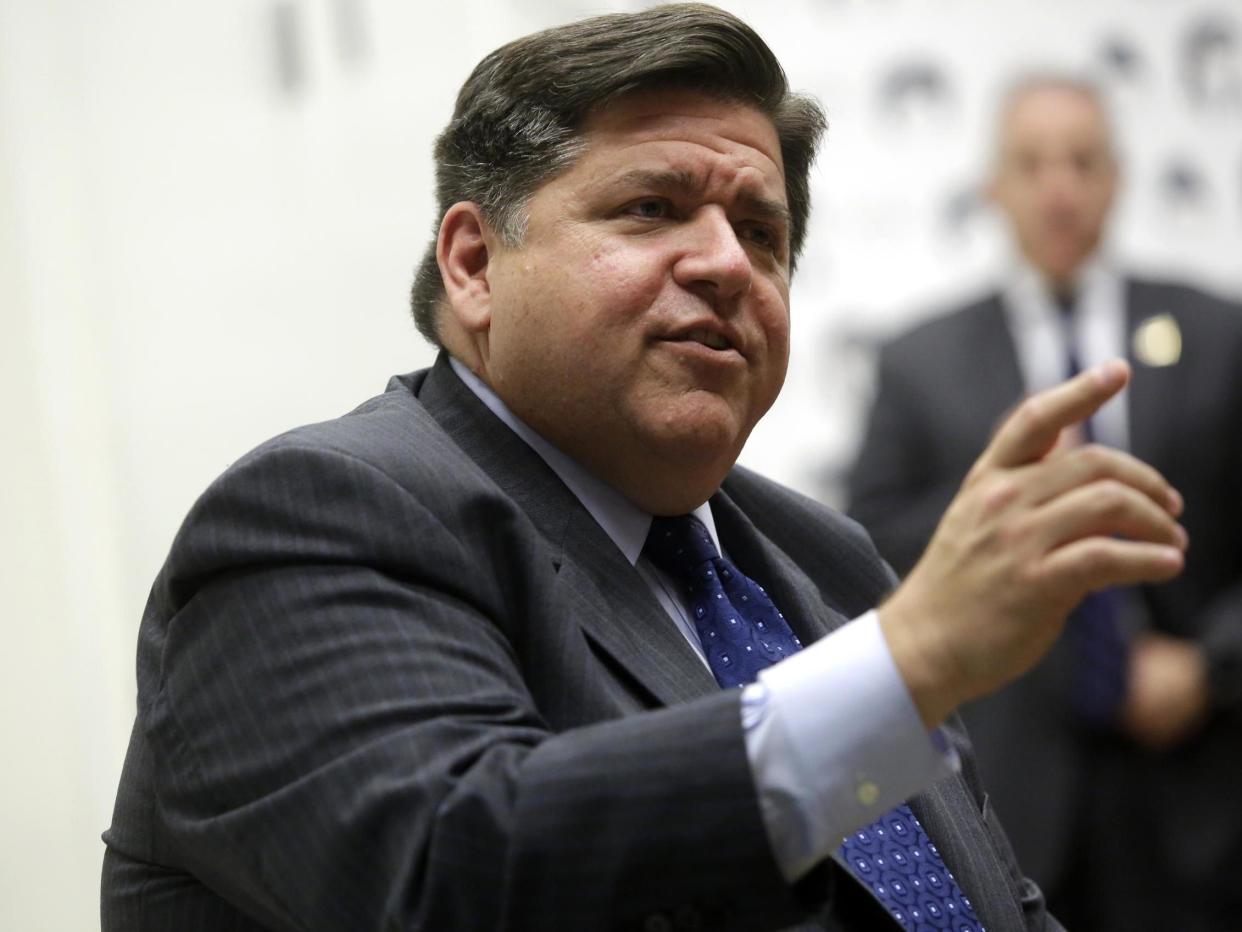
(1158, 341)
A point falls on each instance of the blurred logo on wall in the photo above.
(915, 94)
(1211, 63)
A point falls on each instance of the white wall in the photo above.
(195, 255)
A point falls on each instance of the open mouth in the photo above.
(708, 338)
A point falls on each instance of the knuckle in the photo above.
(1096, 458)
(1030, 413)
(1112, 497)
(1096, 559)
(1013, 534)
(999, 493)
(1029, 576)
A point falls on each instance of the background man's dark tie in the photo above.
(1099, 686)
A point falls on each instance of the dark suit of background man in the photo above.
(1083, 793)
(419, 668)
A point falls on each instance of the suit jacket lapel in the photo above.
(999, 375)
(621, 616)
(979, 371)
(611, 602)
(951, 817)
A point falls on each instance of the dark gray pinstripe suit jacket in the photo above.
(394, 676)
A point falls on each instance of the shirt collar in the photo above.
(1029, 296)
(624, 522)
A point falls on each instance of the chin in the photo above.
(684, 461)
(699, 431)
(697, 456)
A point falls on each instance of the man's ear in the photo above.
(463, 251)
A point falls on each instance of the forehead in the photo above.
(1052, 114)
(689, 131)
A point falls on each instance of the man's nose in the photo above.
(1062, 182)
(713, 257)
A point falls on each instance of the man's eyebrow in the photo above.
(679, 180)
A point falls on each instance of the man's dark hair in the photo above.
(518, 117)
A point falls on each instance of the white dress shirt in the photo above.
(1097, 325)
(833, 737)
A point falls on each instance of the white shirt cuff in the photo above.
(834, 742)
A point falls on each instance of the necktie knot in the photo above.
(679, 545)
(1066, 303)
(739, 628)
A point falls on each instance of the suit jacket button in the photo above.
(657, 922)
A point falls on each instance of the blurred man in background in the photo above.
(1131, 729)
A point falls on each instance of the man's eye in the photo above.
(1087, 163)
(760, 235)
(650, 208)
(1028, 166)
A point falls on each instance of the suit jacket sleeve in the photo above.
(335, 718)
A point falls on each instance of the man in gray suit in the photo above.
(1129, 730)
(454, 661)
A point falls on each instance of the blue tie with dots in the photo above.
(742, 632)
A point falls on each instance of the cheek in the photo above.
(776, 324)
(774, 320)
(623, 280)
(779, 363)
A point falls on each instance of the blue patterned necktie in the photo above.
(742, 632)
(1100, 649)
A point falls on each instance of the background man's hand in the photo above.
(1034, 528)
(1167, 694)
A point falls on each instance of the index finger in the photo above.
(1032, 430)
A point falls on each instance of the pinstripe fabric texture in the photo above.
(393, 676)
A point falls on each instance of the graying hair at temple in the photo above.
(518, 118)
